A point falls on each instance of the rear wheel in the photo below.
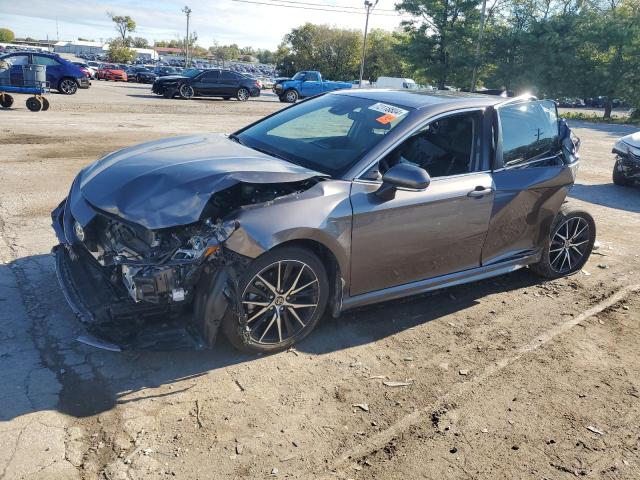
(569, 245)
(45, 104)
(34, 104)
(6, 100)
(243, 94)
(283, 296)
(68, 86)
(618, 176)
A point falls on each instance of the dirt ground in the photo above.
(510, 378)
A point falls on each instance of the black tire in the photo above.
(226, 98)
(6, 101)
(291, 96)
(243, 335)
(567, 243)
(186, 92)
(45, 104)
(619, 178)
(281, 98)
(168, 94)
(34, 104)
(68, 86)
(243, 94)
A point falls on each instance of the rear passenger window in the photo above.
(228, 76)
(529, 132)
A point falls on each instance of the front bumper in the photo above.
(628, 165)
(112, 320)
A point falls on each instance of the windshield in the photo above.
(328, 134)
(299, 76)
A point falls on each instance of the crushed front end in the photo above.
(133, 287)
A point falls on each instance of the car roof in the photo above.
(426, 99)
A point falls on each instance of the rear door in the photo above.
(229, 83)
(532, 178)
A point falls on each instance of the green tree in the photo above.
(138, 42)
(333, 51)
(6, 35)
(384, 55)
(441, 38)
(120, 53)
(123, 24)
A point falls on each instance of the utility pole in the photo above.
(369, 6)
(476, 60)
(187, 12)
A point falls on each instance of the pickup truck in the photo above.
(306, 83)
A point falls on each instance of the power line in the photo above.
(314, 8)
(334, 6)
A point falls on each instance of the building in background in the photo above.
(81, 47)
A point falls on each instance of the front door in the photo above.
(207, 83)
(311, 85)
(423, 234)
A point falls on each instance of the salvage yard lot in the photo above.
(506, 378)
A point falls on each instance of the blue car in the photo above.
(62, 75)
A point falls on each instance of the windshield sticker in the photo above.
(389, 109)
(388, 118)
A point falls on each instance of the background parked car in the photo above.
(62, 75)
(626, 170)
(165, 71)
(140, 74)
(89, 71)
(111, 72)
(207, 83)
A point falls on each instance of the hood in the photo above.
(168, 182)
(633, 139)
(169, 78)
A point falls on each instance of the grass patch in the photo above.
(595, 118)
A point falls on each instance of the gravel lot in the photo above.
(508, 378)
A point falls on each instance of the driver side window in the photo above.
(447, 146)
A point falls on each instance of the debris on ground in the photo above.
(390, 383)
(362, 406)
(595, 430)
(464, 371)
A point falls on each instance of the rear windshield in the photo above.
(328, 134)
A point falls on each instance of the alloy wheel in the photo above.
(569, 245)
(243, 94)
(186, 91)
(291, 96)
(68, 87)
(279, 301)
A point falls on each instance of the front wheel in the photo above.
(186, 91)
(243, 94)
(283, 295)
(569, 245)
(68, 86)
(291, 96)
(618, 176)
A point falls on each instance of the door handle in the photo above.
(480, 191)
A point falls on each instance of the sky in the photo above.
(224, 21)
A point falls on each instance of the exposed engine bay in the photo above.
(155, 272)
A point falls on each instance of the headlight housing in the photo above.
(623, 148)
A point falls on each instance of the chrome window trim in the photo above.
(416, 129)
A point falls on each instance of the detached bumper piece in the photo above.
(113, 321)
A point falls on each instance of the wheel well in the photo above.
(330, 262)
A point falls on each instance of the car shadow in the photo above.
(81, 381)
(608, 195)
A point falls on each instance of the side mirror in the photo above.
(403, 175)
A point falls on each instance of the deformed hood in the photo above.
(633, 139)
(168, 182)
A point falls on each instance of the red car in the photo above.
(111, 72)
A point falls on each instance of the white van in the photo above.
(396, 82)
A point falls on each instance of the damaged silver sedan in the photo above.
(340, 201)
